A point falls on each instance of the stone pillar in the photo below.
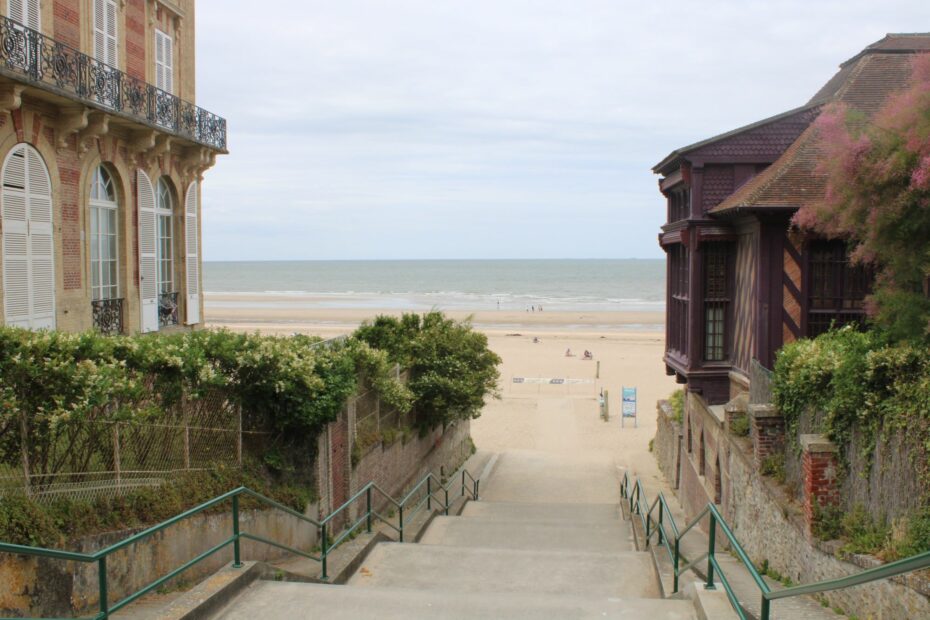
(767, 430)
(820, 467)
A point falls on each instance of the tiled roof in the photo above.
(863, 83)
(765, 138)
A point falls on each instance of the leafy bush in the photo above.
(676, 401)
(452, 370)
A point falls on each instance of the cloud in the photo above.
(421, 129)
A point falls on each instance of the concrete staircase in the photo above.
(527, 550)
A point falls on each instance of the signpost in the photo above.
(628, 405)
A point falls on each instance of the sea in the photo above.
(618, 285)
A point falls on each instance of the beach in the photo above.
(533, 412)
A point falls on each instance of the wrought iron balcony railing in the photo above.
(32, 57)
(108, 316)
(167, 309)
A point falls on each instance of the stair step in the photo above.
(468, 569)
(305, 601)
(529, 512)
(490, 532)
(532, 476)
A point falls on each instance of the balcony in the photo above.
(31, 57)
(167, 309)
(108, 316)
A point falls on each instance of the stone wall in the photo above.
(398, 466)
(667, 443)
(772, 527)
(47, 587)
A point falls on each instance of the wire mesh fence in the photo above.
(94, 457)
(374, 420)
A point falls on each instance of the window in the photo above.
(104, 237)
(105, 29)
(164, 209)
(836, 289)
(678, 282)
(679, 205)
(702, 456)
(716, 300)
(25, 12)
(164, 62)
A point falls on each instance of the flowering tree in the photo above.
(878, 198)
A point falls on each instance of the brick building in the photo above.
(742, 282)
(101, 157)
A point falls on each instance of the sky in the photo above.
(433, 129)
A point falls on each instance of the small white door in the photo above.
(28, 241)
(148, 260)
(192, 254)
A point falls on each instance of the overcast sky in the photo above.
(490, 128)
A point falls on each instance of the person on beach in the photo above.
(568, 353)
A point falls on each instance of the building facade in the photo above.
(741, 281)
(102, 154)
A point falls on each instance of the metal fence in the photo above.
(373, 419)
(93, 458)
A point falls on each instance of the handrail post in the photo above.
(368, 501)
(648, 530)
(764, 615)
(102, 585)
(447, 501)
(429, 492)
(675, 568)
(237, 560)
(710, 552)
(660, 522)
(400, 522)
(323, 550)
(476, 489)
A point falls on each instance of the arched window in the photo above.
(164, 226)
(688, 430)
(106, 300)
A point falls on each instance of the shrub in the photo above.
(676, 401)
(452, 370)
(739, 426)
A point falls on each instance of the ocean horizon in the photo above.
(611, 285)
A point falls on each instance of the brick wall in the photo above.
(67, 24)
(69, 169)
(668, 443)
(135, 38)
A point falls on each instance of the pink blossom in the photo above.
(920, 178)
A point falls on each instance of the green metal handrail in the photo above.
(634, 494)
(323, 526)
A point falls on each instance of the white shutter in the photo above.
(169, 64)
(41, 241)
(15, 10)
(148, 260)
(16, 276)
(110, 35)
(164, 62)
(28, 241)
(192, 249)
(31, 9)
(105, 32)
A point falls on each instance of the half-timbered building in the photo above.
(742, 282)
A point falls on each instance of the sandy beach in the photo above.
(561, 418)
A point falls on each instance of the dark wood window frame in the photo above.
(716, 261)
(679, 280)
(835, 290)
